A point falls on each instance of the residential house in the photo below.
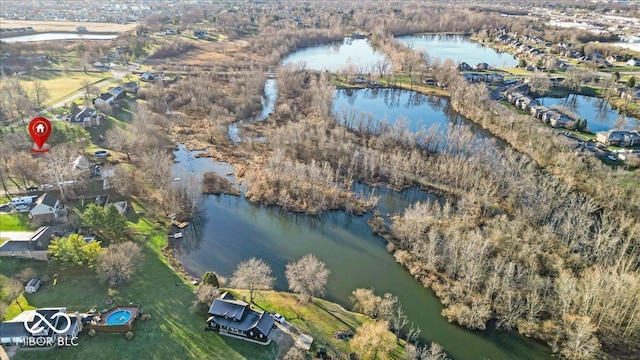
(561, 121)
(463, 66)
(614, 58)
(104, 100)
(32, 286)
(32, 247)
(148, 76)
(237, 318)
(14, 331)
(118, 92)
(618, 138)
(527, 103)
(482, 66)
(47, 208)
(537, 110)
(87, 117)
(131, 87)
(633, 62)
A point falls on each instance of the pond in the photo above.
(235, 230)
(418, 110)
(458, 48)
(599, 115)
(337, 56)
(59, 36)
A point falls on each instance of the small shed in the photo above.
(32, 285)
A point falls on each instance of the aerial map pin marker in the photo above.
(40, 129)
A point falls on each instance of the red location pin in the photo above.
(40, 129)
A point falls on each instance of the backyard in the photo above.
(175, 331)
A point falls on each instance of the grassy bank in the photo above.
(320, 319)
(175, 330)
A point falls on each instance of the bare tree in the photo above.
(40, 93)
(398, 321)
(307, 277)
(57, 166)
(253, 275)
(205, 294)
(373, 340)
(119, 262)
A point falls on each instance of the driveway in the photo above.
(283, 339)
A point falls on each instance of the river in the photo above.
(233, 230)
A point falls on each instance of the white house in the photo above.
(47, 208)
(633, 62)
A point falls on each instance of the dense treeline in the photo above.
(537, 252)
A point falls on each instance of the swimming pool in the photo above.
(119, 317)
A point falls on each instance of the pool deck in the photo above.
(99, 322)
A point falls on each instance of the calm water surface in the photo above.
(235, 230)
(599, 115)
(458, 48)
(334, 57)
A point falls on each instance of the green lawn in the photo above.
(319, 319)
(15, 222)
(61, 85)
(175, 330)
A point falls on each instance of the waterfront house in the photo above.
(619, 138)
(236, 318)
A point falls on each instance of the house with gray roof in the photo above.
(230, 316)
(32, 247)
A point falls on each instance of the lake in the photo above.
(599, 115)
(58, 36)
(418, 111)
(458, 48)
(336, 56)
(235, 229)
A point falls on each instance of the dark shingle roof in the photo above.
(227, 311)
(48, 199)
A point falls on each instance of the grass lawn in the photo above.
(175, 330)
(15, 222)
(319, 319)
(61, 85)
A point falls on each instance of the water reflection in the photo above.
(599, 114)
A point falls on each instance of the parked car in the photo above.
(279, 318)
(101, 153)
(32, 188)
(611, 157)
(46, 186)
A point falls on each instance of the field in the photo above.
(66, 25)
(61, 85)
